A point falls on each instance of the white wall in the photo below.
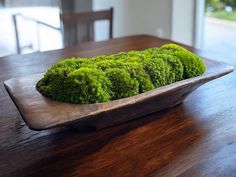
(82, 5)
(183, 21)
(28, 3)
(200, 23)
(171, 19)
(137, 17)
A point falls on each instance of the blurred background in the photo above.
(220, 27)
(30, 26)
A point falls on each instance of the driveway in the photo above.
(220, 38)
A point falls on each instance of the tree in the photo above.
(231, 3)
(215, 4)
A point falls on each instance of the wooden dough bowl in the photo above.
(40, 112)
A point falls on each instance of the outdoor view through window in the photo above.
(220, 27)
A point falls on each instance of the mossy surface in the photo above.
(84, 85)
(123, 85)
(193, 65)
(109, 77)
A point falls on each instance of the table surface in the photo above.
(196, 138)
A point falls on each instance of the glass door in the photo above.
(29, 26)
(220, 27)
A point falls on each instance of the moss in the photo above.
(157, 69)
(52, 84)
(101, 58)
(131, 55)
(84, 85)
(87, 85)
(106, 64)
(174, 66)
(152, 51)
(73, 63)
(172, 48)
(109, 77)
(122, 84)
(135, 70)
(193, 65)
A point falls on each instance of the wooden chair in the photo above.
(72, 23)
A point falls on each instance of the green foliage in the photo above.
(175, 67)
(231, 16)
(84, 85)
(131, 55)
(157, 70)
(220, 4)
(215, 4)
(135, 70)
(152, 51)
(122, 83)
(193, 65)
(110, 77)
(231, 3)
(72, 63)
(100, 58)
(87, 85)
(172, 48)
(52, 84)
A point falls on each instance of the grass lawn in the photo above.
(224, 15)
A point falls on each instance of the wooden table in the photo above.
(196, 138)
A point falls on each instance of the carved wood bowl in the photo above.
(40, 112)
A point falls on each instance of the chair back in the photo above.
(71, 22)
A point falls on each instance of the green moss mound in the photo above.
(193, 65)
(87, 85)
(84, 85)
(134, 68)
(122, 83)
(174, 68)
(157, 69)
(110, 77)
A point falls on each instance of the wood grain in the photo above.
(196, 138)
(40, 112)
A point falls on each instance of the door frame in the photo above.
(199, 23)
